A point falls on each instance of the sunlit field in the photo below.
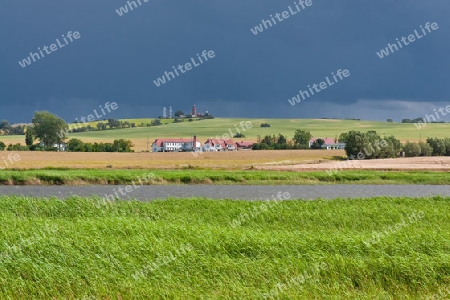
(144, 137)
(168, 160)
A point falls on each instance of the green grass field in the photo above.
(382, 248)
(318, 127)
(193, 176)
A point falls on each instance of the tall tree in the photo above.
(29, 139)
(438, 146)
(3, 124)
(6, 127)
(281, 139)
(49, 128)
(317, 144)
(301, 139)
(393, 147)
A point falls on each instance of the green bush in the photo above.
(17, 147)
(438, 146)
(425, 149)
(75, 145)
(412, 150)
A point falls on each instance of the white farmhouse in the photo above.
(176, 145)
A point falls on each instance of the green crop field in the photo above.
(218, 127)
(318, 127)
(381, 248)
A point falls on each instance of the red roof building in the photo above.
(328, 143)
(220, 144)
(244, 145)
(170, 144)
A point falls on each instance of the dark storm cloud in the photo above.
(118, 57)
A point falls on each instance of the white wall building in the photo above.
(175, 145)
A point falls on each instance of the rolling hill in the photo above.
(204, 129)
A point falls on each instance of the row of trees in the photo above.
(111, 124)
(418, 149)
(368, 145)
(299, 141)
(417, 120)
(120, 145)
(76, 145)
(371, 145)
(9, 129)
(51, 130)
(359, 145)
(439, 147)
(117, 124)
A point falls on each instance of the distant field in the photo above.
(380, 248)
(219, 126)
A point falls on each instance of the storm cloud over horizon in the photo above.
(118, 57)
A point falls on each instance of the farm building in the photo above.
(174, 145)
(328, 144)
(219, 145)
(244, 145)
(58, 147)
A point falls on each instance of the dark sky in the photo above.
(118, 57)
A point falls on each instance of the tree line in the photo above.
(10, 129)
(299, 141)
(359, 145)
(51, 130)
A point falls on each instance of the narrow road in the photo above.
(243, 192)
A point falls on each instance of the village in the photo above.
(220, 144)
(193, 145)
(223, 143)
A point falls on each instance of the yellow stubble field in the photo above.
(168, 160)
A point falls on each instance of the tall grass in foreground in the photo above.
(195, 248)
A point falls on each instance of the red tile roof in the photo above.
(223, 142)
(244, 144)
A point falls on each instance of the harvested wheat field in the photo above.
(437, 163)
(170, 160)
(289, 160)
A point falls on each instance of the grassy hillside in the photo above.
(382, 248)
(318, 127)
(219, 126)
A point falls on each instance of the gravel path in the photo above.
(244, 192)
